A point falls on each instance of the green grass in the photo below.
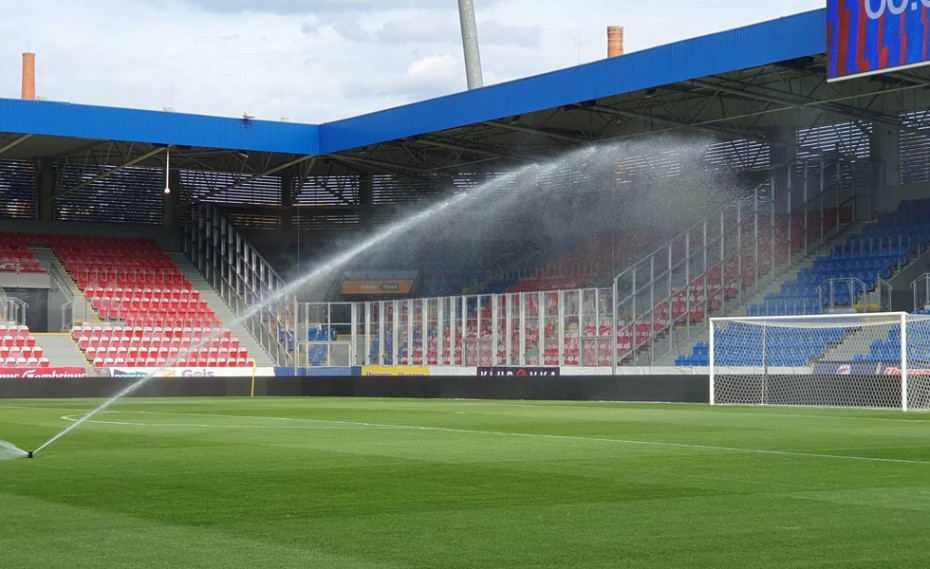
(363, 483)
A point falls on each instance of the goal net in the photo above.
(849, 360)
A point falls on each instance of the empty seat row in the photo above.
(24, 363)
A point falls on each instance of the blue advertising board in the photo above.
(873, 36)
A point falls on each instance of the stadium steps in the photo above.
(82, 311)
(682, 343)
(859, 342)
(61, 351)
(222, 310)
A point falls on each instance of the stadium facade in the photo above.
(813, 161)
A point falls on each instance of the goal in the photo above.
(877, 360)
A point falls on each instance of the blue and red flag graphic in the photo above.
(867, 36)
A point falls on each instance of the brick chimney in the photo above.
(29, 76)
(614, 41)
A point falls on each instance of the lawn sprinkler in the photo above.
(29, 454)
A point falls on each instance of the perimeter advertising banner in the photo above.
(12, 372)
(377, 287)
(395, 370)
(873, 36)
(192, 372)
(518, 371)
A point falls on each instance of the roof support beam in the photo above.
(112, 171)
(802, 101)
(386, 166)
(254, 177)
(14, 143)
(530, 130)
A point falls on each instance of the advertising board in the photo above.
(874, 36)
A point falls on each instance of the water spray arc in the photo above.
(334, 263)
(501, 200)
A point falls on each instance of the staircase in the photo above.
(81, 310)
(859, 342)
(222, 310)
(61, 351)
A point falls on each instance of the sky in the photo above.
(316, 61)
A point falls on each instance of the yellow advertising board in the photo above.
(394, 370)
(377, 287)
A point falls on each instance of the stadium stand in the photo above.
(18, 347)
(149, 313)
(15, 256)
(836, 280)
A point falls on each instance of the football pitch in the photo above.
(378, 483)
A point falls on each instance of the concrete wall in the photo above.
(890, 196)
(167, 237)
(674, 389)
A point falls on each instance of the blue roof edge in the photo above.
(755, 45)
(759, 44)
(156, 127)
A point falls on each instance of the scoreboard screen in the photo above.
(873, 36)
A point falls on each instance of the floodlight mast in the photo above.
(470, 44)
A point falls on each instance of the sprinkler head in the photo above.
(28, 454)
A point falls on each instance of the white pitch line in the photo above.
(75, 419)
(559, 437)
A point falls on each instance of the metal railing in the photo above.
(841, 293)
(920, 288)
(243, 280)
(711, 266)
(13, 309)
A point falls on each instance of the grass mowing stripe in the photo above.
(531, 435)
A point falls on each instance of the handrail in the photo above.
(925, 279)
(241, 276)
(855, 288)
(14, 309)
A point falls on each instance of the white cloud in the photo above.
(323, 60)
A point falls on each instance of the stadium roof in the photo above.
(742, 84)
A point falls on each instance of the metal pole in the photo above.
(904, 361)
(613, 355)
(711, 378)
(470, 44)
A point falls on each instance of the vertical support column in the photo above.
(365, 193)
(522, 355)
(424, 331)
(823, 190)
(756, 235)
(495, 331)
(45, 186)
(409, 331)
(395, 329)
(904, 361)
(296, 336)
(711, 363)
(806, 209)
(508, 323)
(440, 329)
(541, 346)
(561, 327)
(837, 191)
(884, 148)
(789, 214)
(614, 302)
(366, 356)
(464, 313)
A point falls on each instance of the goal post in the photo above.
(879, 360)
